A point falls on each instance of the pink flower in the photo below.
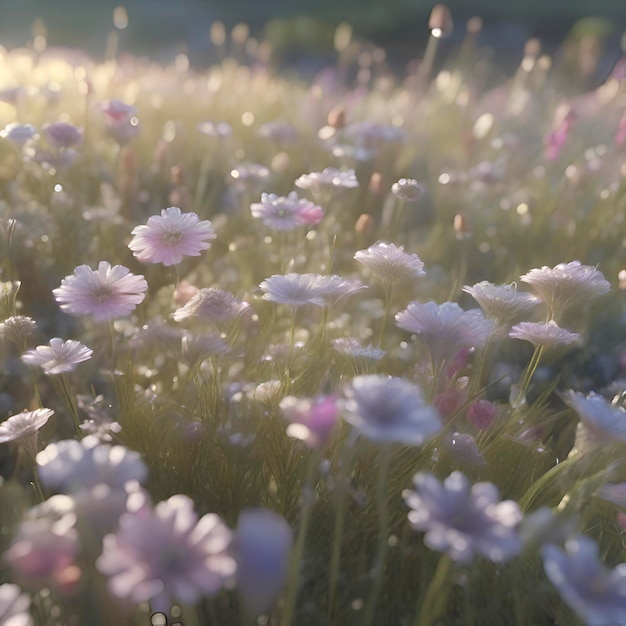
(286, 213)
(482, 414)
(170, 237)
(312, 421)
(59, 357)
(105, 293)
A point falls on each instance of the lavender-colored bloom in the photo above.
(286, 213)
(566, 284)
(116, 111)
(407, 190)
(63, 135)
(72, 466)
(120, 120)
(105, 293)
(597, 594)
(293, 289)
(389, 409)
(464, 520)
(23, 428)
(171, 236)
(261, 546)
(350, 346)
(445, 329)
(547, 334)
(390, 263)
(167, 555)
(19, 134)
(329, 178)
(14, 606)
(462, 447)
(58, 357)
(213, 305)
(312, 421)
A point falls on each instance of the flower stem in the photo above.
(527, 375)
(432, 604)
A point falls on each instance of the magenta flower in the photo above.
(286, 213)
(59, 357)
(170, 237)
(167, 554)
(105, 293)
(312, 421)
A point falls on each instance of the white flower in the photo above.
(390, 263)
(23, 428)
(58, 357)
(350, 346)
(329, 178)
(14, 606)
(211, 304)
(548, 334)
(285, 213)
(501, 303)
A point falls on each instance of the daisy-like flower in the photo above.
(597, 594)
(351, 346)
(566, 284)
(212, 304)
(17, 329)
(166, 555)
(58, 357)
(407, 190)
(600, 422)
(293, 289)
(312, 421)
(105, 293)
(23, 427)
(14, 606)
(464, 520)
(334, 288)
(170, 237)
(548, 334)
(63, 135)
(445, 329)
(19, 134)
(73, 466)
(329, 178)
(389, 409)
(286, 213)
(501, 303)
(120, 120)
(390, 263)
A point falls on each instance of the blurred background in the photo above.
(301, 31)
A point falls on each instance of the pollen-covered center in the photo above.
(171, 237)
(102, 293)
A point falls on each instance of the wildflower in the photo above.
(548, 334)
(72, 466)
(23, 427)
(200, 347)
(17, 329)
(566, 285)
(105, 293)
(407, 190)
(59, 357)
(293, 289)
(463, 448)
(286, 213)
(19, 134)
(261, 546)
(334, 288)
(449, 401)
(63, 135)
(312, 421)
(212, 304)
(464, 520)
(116, 111)
(120, 120)
(166, 554)
(445, 329)
(482, 414)
(329, 178)
(501, 303)
(350, 346)
(597, 594)
(170, 237)
(600, 422)
(390, 263)
(389, 409)
(14, 606)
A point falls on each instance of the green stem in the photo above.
(388, 293)
(527, 375)
(433, 603)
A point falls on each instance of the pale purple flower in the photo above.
(19, 134)
(72, 466)
(212, 304)
(312, 420)
(407, 190)
(390, 263)
(105, 293)
(389, 409)
(350, 346)
(170, 237)
(546, 334)
(58, 357)
(502, 303)
(566, 284)
(464, 520)
(23, 427)
(285, 213)
(333, 288)
(63, 135)
(293, 289)
(14, 606)
(445, 329)
(593, 591)
(167, 555)
(261, 546)
(116, 111)
(120, 120)
(329, 178)
(462, 447)
(482, 414)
